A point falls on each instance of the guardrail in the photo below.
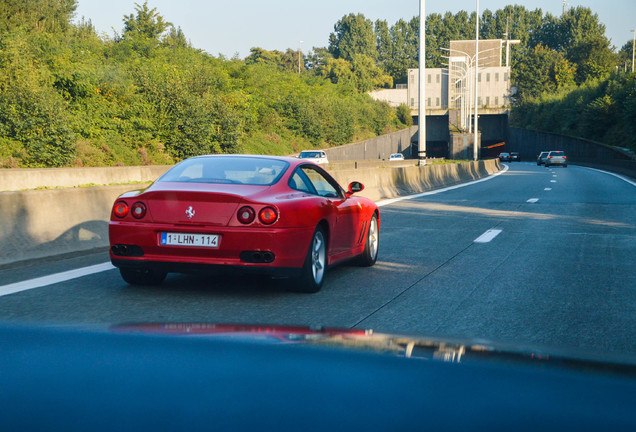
(42, 223)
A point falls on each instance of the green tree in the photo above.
(593, 57)
(37, 15)
(543, 70)
(624, 59)
(353, 35)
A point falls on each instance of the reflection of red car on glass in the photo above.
(273, 215)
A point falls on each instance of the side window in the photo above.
(320, 183)
(299, 181)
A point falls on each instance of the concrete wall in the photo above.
(579, 151)
(20, 179)
(394, 97)
(42, 223)
(386, 183)
(375, 148)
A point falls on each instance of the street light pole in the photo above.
(476, 130)
(300, 44)
(421, 130)
(633, 43)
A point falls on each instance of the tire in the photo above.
(142, 276)
(565, 166)
(313, 272)
(371, 245)
(547, 165)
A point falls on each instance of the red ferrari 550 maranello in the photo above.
(279, 216)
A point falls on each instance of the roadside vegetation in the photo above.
(71, 97)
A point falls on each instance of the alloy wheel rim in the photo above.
(318, 256)
(373, 238)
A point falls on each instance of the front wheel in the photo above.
(142, 276)
(372, 244)
(313, 272)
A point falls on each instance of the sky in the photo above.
(232, 27)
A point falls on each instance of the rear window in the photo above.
(310, 154)
(557, 153)
(228, 170)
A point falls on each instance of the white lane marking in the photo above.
(533, 200)
(547, 189)
(615, 175)
(54, 278)
(552, 181)
(554, 175)
(487, 236)
(435, 192)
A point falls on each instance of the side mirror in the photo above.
(354, 187)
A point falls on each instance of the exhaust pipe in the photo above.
(257, 257)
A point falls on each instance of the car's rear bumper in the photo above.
(180, 267)
(289, 247)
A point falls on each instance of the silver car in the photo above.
(542, 157)
(556, 158)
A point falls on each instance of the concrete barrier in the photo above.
(42, 223)
(382, 183)
(31, 178)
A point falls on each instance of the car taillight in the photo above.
(121, 209)
(268, 215)
(246, 215)
(565, 157)
(549, 157)
(138, 210)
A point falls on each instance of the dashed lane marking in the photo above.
(488, 236)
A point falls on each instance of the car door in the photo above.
(346, 228)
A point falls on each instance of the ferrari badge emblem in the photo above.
(189, 212)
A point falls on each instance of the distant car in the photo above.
(278, 216)
(515, 157)
(396, 157)
(556, 158)
(541, 158)
(316, 156)
(504, 157)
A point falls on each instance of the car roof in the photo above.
(293, 161)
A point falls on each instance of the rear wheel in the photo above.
(142, 276)
(370, 254)
(315, 267)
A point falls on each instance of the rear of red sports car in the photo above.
(241, 213)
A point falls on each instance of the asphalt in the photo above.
(559, 274)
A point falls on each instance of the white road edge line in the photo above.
(435, 192)
(488, 236)
(615, 175)
(54, 278)
(533, 200)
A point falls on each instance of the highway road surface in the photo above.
(533, 257)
